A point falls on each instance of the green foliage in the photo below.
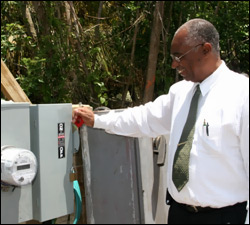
(94, 66)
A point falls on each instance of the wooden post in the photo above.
(78, 164)
(9, 86)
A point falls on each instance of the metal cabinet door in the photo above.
(112, 178)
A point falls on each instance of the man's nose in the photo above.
(174, 64)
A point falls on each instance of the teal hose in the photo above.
(78, 199)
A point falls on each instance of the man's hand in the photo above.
(85, 114)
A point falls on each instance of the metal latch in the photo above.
(72, 175)
(160, 148)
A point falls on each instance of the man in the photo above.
(216, 99)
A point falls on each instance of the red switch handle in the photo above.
(79, 122)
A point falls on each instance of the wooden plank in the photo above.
(78, 165)
(77, 158)
(9, 86)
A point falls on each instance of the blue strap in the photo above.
(78, 199)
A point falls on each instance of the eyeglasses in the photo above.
(178, 59)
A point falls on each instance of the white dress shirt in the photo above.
(219, 159)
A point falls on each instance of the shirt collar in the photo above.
(210, 81)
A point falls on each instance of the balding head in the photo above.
(195, 50)
(200, 31)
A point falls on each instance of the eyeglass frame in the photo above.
(178, 59)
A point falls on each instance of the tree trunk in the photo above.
(31, 28)
(217, 8)
(130, 78)
(42, 18)
(97, 31)
(153, 51)
(165, 35)
(78, 30)
(68, 20)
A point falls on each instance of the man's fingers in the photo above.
(75, 114)
(85, 114)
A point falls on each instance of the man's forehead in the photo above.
(180, 35)
(178, 40)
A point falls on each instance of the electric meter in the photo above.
(18, 166)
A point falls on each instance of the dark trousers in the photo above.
(236, 214)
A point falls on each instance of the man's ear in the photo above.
(207, 47)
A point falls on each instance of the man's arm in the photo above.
(151, 120)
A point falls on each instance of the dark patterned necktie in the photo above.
(180, 173)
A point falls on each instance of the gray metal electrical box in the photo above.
(125, 178)
(16, 204)
(51, 142)
(113, 191)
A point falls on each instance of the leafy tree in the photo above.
(96, 52)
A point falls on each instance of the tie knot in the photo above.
(198, 90)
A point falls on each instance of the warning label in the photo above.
(61, 140)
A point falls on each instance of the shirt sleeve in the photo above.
(244, 135)
(151, 120)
